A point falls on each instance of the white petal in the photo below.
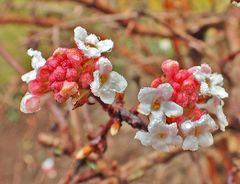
(205, 68)
(27, 77)
(155, 128)
(79, 34)
(187, 127)
(146, 95)
(81, 45)
(144, 137)
(92, 39)
(107, 96)
(171, 109)
(160, 146)
(204, 89)
(221, 118)
(216, 79)
(104, 65)
(30, 103)
(105, 45)
(190, 143)
(157, 116)
(92, 52)
(144, 109)
(205, 140)
(37, 59)
(95, 85)
(164, 91)
(218, 91)
(118, 82)
(199, 76)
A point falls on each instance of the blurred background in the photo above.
(145, 33)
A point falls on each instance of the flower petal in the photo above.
(216, 79)
(204, 89)
(37, 59)
(118, 82)
(107, 96)
(146, 95)
(187, 127)
(221, 118)
(92, 39)
(144, 137)
(30, 103)
(205, 140)
(95, 85)
(157, 116)
(190, 143)
(79, 34)
(144, 109)
(27, 77)
(104, 65)
(219, 91)
(105, 45)
(164, 91)
(91, 52)
(171, 109)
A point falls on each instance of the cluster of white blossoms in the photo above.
(106, 83)
(69, 70)
(172, 122)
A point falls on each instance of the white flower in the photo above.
(160, 136)
(107, 83)
(89, 44)
(198, 133)
(237, 4)
(30, 103)
(37, 62)
(215, 106)
(155, 102)
(210, 83)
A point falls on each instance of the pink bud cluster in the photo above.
(64, 73)
(186, 90)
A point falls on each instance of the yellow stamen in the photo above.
(103, 78)
(156, 104)
(162, 135)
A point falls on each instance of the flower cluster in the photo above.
(178, 103)
(72, 72)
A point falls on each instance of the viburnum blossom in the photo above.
(156, 101)
(192, 93)
(210, 83)
(90, 44)
(68, 73)
(106, 82)
(160, 136)
(215, 106)
(198, 133)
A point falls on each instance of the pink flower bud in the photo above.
(36, 87)
(85, 79)
(170, 68)
(71, 74)
(156, 82)
(30, 103)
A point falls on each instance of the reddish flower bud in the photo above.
(170, 68)
(85, 79)
(156, 82)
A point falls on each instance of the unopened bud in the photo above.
(115, 127)
(84, 152)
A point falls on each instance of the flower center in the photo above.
(90, 45)
(208, 81)
(162, 135)
(198, 131)
(156, 104)
(103, 78)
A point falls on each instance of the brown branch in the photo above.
(40, 21)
